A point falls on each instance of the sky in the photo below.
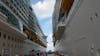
(44, 10)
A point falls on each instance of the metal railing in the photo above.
(3, 17)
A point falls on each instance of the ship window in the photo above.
(12, 38)
(96, 14)
(0, 34)
(9, 37)
(5, 36)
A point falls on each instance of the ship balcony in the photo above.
(7, 27)
(33, 37)
(43, 41)
(61, 24)
(3, 17)
(58, 34)
(40, 41)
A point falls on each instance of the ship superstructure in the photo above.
(20, 31)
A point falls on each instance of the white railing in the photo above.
(30, 42)
(3, 17)
(61, 24)
(41, 39)
(62, 20)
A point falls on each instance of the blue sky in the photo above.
(43, 10)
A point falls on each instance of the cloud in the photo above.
(49, 39)
(44, 9)
(50, 47)
(50, 43)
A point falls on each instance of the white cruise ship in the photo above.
(76, 27)
(20, 32)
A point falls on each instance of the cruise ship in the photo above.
(20, 32)
(76, 27)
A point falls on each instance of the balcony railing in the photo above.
(41, 39)
(33, 37)
(3, 17)
(61, 24)
(11, 19)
